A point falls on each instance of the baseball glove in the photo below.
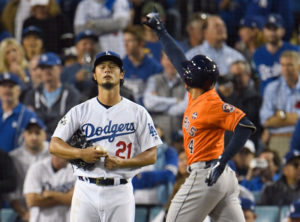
(78, 139)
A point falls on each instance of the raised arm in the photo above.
(170, 46)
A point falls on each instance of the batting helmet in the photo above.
(200, 72)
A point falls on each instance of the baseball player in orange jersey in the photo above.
(212, 187)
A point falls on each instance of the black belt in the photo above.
(101, 181)
(200, 165)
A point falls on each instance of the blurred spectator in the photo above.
(162, 92)
(55, 30)
(34, 148)
(153, 46)
(266, 58)
(177, 140)
(262, 170)
(154, 184)
(80, 74)
(105, 18)
(48, 190)
(245, 95)
(35, 77)
(8, 15)
(3, 32)
(287, 188)
(281, 103)
(241, 161)
(169, 14)
(32, 42)
(52, 99)
(68, 8)
(138, 65)
(294, 213)
(248, 208)
(267, 7)
(14, 115)
(214, 46)
(8, 177)
(250, 36)
(17, 11)
(295, 142)
(194, 29)
(187, 8)
(231, 11)
(12, 59)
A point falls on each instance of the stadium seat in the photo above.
(284, 211)
(154, 212)
(256, 195)
(140, 214)
(8, 215)
(267, 213)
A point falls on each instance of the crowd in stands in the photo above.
(47, 48)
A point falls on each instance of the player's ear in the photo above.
(94, 77)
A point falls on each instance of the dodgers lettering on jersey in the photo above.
(124, 130)
(110, 131)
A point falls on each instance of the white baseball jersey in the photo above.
(40, 177)
(124, 130)
(23, 159)
(88, 10)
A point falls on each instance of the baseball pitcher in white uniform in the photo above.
(124, 140)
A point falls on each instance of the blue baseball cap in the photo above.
(108, 56)
(252, 22)
(49, 59)
(290, 156)
(295, 210)
(10, 77)
(86, 34)
(32, 30)
(35, 121)
(274, 21)
(247, 204)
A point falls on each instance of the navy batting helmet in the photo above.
(200, 72)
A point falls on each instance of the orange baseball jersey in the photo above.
(204, 123)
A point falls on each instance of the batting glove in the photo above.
(154, 22)
(215, 172)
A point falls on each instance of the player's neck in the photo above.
(196, 92)
(109, 97)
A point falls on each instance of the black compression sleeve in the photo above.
(240, 135)
(173, 50)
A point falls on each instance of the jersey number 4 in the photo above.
(124, 147)
(191, 146)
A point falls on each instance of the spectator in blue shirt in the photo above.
(295, 143)
(267, 7)
(266, 58)
(79, 74)
(194, 29)
(262, 170)
(214, 46)
(250, 36)
(280, 108)
(231, 11)
(154, 184)
(138, 65)
(248, 208)
(14, 115)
